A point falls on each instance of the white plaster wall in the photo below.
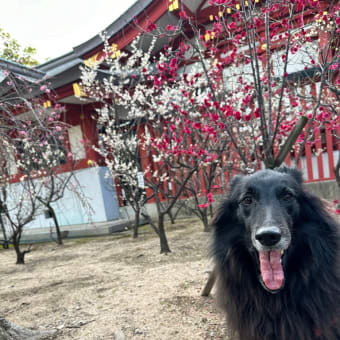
(72, 209)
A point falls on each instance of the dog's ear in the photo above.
(225, 218)
(225, 213)
(226, 225)
(294, 172)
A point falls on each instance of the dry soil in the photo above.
(115, 287)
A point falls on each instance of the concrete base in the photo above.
(73, 231)
(325, 189)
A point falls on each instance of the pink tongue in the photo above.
(271, 269)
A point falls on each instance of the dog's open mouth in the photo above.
(272, 274)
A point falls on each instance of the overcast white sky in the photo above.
(53, 27)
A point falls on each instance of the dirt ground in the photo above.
(115, 287)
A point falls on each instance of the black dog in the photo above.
(277, 253)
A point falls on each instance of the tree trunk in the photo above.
(55, 220)
(172, 218)
(211, 211)
(153, 226)
(162, 236)
(136, 226)
(337, 172)
(205, 221)
(6, 243)
(20, 254)
(10, 331)
(290, 141)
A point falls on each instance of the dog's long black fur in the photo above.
(307, 305)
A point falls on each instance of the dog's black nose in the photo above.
(268, 236)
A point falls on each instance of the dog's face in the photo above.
(267, 204)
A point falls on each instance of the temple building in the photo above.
(63, 76)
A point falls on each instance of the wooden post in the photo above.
(210, 283)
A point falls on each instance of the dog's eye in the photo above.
(247, 200)
(287, 196)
